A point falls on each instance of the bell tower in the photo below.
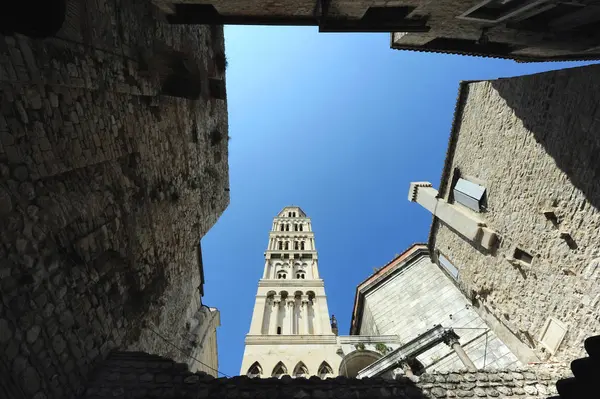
(290, 332)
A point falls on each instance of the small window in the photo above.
(301, 371)
(300, 227)
(325, 370)
(287, 227)
(522, 256)
(281, 275)
(469, 194)
(295, 227)
(255, 370)
(287, 245)
(296, 245)
(281, 227)
(300, 276)
(448, 266)
(302, 245)
(278, 330)
(280, 244)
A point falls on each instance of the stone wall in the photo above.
(106, 188)
(532, 142)
(411, 301)
(136, 375)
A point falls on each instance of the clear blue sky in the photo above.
(338, 124)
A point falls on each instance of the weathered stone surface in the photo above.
(95, 264)
(149, 371)
(532, 142)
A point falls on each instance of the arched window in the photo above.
(300, 227)
(325, 370)
(280, 368)
(300, 370)
(300, 275)
(302, 245)
(255, 370)
(296, 245)
(287, 245)
(287, 227)
(280, 245)
(281, 275)
(281, 227)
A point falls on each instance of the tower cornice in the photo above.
(291, 283)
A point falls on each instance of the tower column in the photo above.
(316, 320)
(291, 315)
(304, 315)
(274, 315)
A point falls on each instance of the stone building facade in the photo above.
(524, 30)
(107, 185)
(517, 210)
(426, 296)
(528, 30)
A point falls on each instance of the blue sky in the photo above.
(338, 124)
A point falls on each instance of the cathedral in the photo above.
(407, 317)
(291, 332)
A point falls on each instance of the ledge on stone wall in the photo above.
(140, 375)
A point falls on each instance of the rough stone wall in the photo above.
(136, 375)
(532, 142)
(106, 188)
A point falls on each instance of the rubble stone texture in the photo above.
(137, 375)
(533, 142)
(106, 188)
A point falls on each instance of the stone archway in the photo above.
(357, 360)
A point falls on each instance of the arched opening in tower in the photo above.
(356, 361)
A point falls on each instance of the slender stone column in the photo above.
(316, 322)
(304, 314)
(274, 315)
(451, 339)
(291, 316)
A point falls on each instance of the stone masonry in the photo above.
(137, 375)
(533, 143)
(106, 187)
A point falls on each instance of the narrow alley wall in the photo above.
(106, 187)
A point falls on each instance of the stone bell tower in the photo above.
(290, 332)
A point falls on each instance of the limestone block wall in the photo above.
(532, 142)
(106, 188)
(420, 296)
(137, 375)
